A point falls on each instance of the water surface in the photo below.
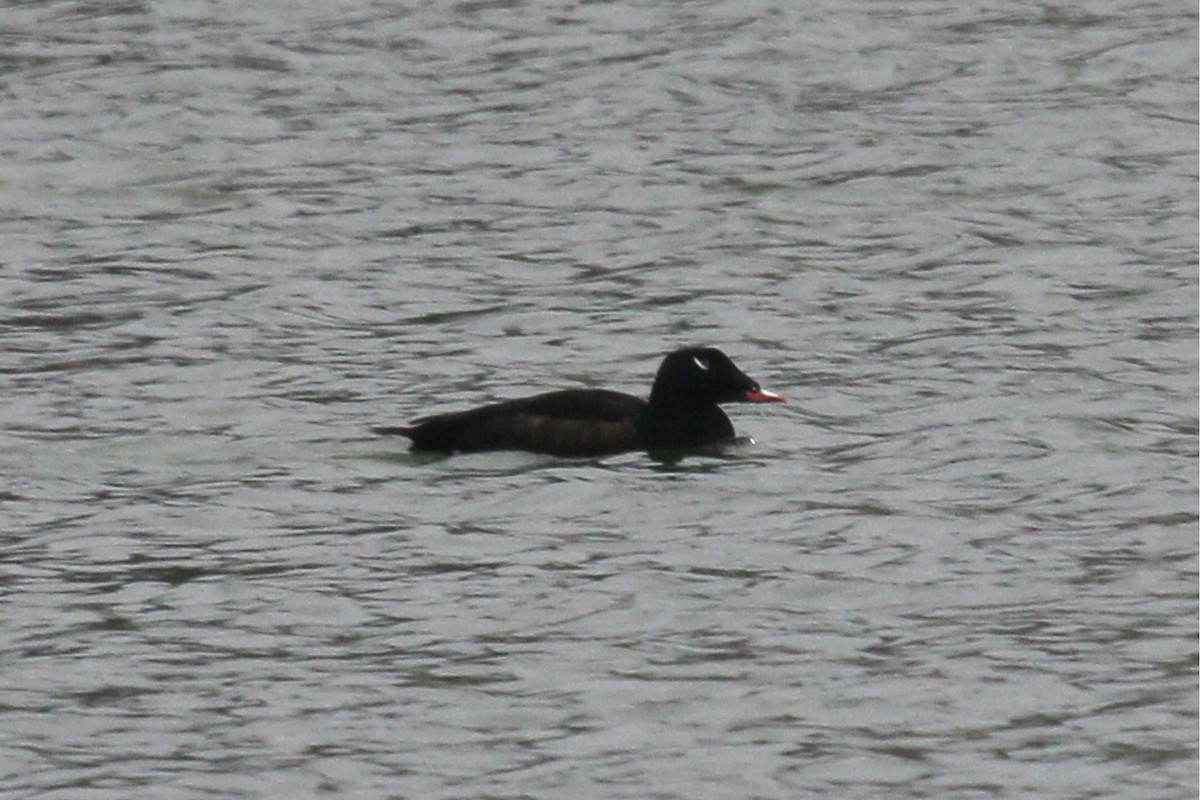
(962, 562)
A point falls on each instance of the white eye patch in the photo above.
(702, 363)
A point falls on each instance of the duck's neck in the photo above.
(669, 397)
(685, 425)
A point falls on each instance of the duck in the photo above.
(683, 411)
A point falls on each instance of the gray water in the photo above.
(961, 237)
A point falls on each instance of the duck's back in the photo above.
(571, 422)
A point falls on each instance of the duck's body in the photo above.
(682, 412)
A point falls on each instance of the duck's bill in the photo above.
(763, 396)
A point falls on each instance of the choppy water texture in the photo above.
(962, 237)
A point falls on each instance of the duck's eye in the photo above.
(702, 363)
